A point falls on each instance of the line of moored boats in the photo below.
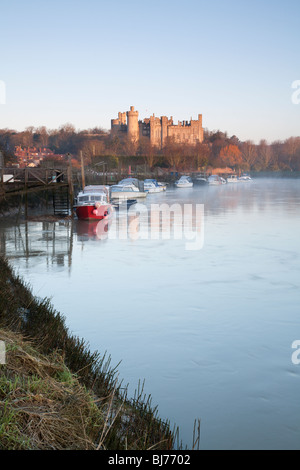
(97, 202)
(214, 180)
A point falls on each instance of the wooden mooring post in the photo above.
(70, 184)
(82, 169)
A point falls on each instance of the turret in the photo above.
(133, 124)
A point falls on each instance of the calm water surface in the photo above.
(209, 330)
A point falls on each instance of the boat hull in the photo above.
(188, 185)
(153, 190)
(128, 195)
(184, 182)
(94, 212)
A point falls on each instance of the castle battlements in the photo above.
(158, 130)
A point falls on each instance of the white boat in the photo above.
(232, 179)
(152, 186)
(245, 177)
(129, 188)
(184, 182)
(162, 185)
(215, 180)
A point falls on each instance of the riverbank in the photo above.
(57, 394)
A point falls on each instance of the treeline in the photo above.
(218, 150)
(63, 140)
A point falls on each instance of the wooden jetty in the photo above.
(22, 181)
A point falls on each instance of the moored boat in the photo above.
(162, 185)
(158, 184)
(152, 186)
(215, 180)
(232, 179)
(245, 177)
(184, 182)
(93, 203)
(128, 188)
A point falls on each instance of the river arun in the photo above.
(213, 328)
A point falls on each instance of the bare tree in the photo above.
(202, 152)
(173, 153)
(290, 152)
(265, 154)
(146, 150)
(249, 153)
(41, 136)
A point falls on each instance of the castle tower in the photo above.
(164, 130)
(133, 124)
(119, 124)
(201, 133)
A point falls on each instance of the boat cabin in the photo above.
(92, 195)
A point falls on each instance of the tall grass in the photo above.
(131, 423)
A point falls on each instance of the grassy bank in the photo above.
(57, 394)
(43, 405)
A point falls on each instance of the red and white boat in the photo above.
(93, 203)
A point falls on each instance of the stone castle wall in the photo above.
(158, 130)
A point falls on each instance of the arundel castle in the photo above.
(158, 130)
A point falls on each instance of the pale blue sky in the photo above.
(83, 61)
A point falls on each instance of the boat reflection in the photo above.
(97, 230)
